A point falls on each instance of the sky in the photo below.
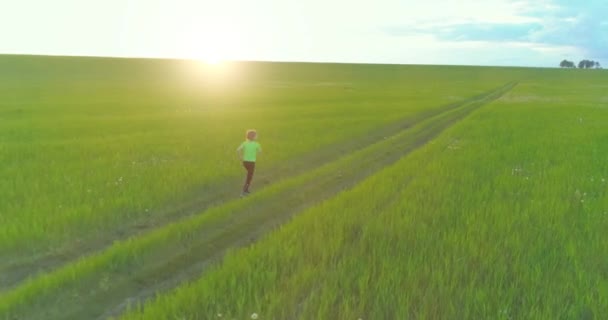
(455, 32)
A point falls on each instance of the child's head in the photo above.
(251, 134)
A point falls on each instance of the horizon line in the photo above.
(264, 61)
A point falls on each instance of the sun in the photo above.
(213, 65)
(211, 60)
(214, 51)
(210, 51)
(213, 69)
(215, 44)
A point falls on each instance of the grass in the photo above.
(401, 192)
(117, 274)
(501, 217)
(94, 148)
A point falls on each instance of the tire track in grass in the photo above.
(15, 269)
(131, 271)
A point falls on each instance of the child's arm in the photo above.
(239, 151)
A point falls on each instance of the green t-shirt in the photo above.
(250, 150)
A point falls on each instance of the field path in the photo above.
(93, 288)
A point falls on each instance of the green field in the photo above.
(384, 192)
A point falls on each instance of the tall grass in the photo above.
(118, 273)
(88, 145)
(502, 217)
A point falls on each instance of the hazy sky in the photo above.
(485, 32)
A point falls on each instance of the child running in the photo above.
(248, 151)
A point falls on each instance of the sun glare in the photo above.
(214, 50)
(211, 60)
(209, 49)
(214, 69)
(213, 65)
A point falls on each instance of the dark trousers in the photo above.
(250, 166)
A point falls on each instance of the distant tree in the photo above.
(566, 64)
(586, 64)
(581, 64)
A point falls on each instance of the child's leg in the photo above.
(250, 166)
